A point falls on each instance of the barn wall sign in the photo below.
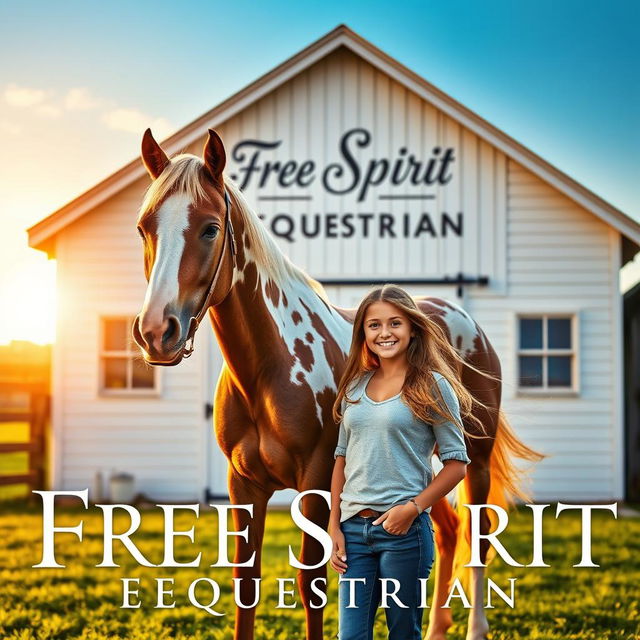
(357, 175)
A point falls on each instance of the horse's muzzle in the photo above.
(160, 345)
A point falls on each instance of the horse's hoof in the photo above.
(479, 636)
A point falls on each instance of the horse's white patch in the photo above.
(320, 377)
(163, 288)
(462, 329)
(238, 274)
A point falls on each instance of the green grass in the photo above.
(81, 601)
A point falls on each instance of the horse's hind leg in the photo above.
(314, 508)
(447, 524)
(477, 483)
(446, 527)
(242, 491)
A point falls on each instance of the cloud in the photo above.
(48, 104)
(18, 96)
(38, 101)
(10, 128)
(48, 110)
(81, 99)
(135, 121)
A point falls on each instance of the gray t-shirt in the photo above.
(388, 450)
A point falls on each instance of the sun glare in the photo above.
(29, 292)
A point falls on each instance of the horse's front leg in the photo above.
(314, 508)
(242, 491)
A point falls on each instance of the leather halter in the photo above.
(194, 322)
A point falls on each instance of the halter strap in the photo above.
(229, 236)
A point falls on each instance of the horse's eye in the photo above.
(140, 232)
(210, 231)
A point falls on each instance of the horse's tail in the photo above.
(507, 484)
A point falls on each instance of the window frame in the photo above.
(128, 354)
(545, 352)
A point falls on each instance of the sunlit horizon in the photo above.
(67, 121)
(31, 288)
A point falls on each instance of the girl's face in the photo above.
(387, 330)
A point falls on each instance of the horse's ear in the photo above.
(153, 157)
(214, 156)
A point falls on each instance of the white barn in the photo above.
(430, 196)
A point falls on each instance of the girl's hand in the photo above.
(398, 519)
(339, 555)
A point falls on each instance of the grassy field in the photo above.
(82, 601)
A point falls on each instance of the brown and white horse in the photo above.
(284, 347)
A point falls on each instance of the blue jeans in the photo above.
(372, 553)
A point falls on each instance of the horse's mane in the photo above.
(183, 175)
(264, 248)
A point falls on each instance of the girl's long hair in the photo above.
(429, 351)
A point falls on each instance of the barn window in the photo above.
(547, 352)
(122, 368)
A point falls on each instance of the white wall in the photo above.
(562, 259)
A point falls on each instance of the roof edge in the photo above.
(40, 234)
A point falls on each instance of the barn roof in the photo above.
(42, 234)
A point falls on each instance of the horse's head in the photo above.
(188, 242)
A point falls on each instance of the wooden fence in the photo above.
(37, 416)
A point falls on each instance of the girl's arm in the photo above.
(452, 452)
(337, 484)
(339, 555)
(451, 474)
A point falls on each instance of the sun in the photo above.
(28, 292)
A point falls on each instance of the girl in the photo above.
(400, 395)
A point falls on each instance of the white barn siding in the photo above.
(561, 258)
(157, 439)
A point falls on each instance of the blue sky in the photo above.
(78, 79)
